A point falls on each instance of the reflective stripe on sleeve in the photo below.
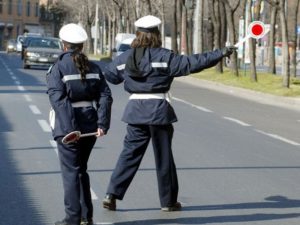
(121, 67)
(159, 65)
(78, 77)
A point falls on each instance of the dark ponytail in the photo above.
(81, 60)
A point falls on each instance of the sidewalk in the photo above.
(268, 99)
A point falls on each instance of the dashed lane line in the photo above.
(20, 88)
(275, 136)
(44, 125)
(35, 110)
(28, 98)
(193, 105)
(237, 121)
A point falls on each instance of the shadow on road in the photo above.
(17, 207)
(213, 219)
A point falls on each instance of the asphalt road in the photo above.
(237, 160)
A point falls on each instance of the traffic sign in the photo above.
(256, 29)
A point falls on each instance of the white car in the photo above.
(121, 47)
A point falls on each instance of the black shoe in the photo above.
(86, 221)
(109, 202)
(61, 223)
(175, 207)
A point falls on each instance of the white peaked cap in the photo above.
(147, 22)
(73, 33)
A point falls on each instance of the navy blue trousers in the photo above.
(76, 182)
(135, 144)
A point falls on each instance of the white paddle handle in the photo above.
(242, 41)
(88, 134)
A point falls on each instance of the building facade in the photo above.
(17, 17)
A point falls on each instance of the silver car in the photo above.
(42, 51)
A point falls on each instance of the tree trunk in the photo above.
(231, 30)
(163, 20)
(190, 31)
(149, 8)
(174, 29)
(272, 63)
(292, 31)
(252, 41)
(285, 48)
(200, 32)
(183, 29)
(198, 27)
(180, 22)
(214, 6)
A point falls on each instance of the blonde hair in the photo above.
(147, 40)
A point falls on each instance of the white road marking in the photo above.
(237, 121)
(14, 77)
(35, 109)
(17, 82)
(28, 98)
(93, 195)
(21, 88)
(44, 125)
(190, 104)
(275, 136)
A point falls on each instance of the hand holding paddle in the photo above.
(75, 136)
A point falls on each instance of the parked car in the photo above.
(42, 51)
(11, 45)
(121, 47)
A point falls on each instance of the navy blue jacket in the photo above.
(66, 87)
(157, 69)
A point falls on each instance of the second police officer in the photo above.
(81, 100)
(148, 71)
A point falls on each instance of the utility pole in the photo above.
(96, 29)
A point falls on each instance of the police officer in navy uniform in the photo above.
(81, 100)
(147, 71)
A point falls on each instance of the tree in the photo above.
(214, 7)
(230, 8)
(285, 47)
(292, 33)
(174, 28)
(184, 43)
(274, 9)
(84, 15)
(252, 42)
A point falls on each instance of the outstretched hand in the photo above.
(228, 50)
(100, 132)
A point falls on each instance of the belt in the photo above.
(82, 104)
(151, 96)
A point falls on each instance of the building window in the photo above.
(19, 7)
(9, 9)
(28, 8)
(1, 6)
(36, 9)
